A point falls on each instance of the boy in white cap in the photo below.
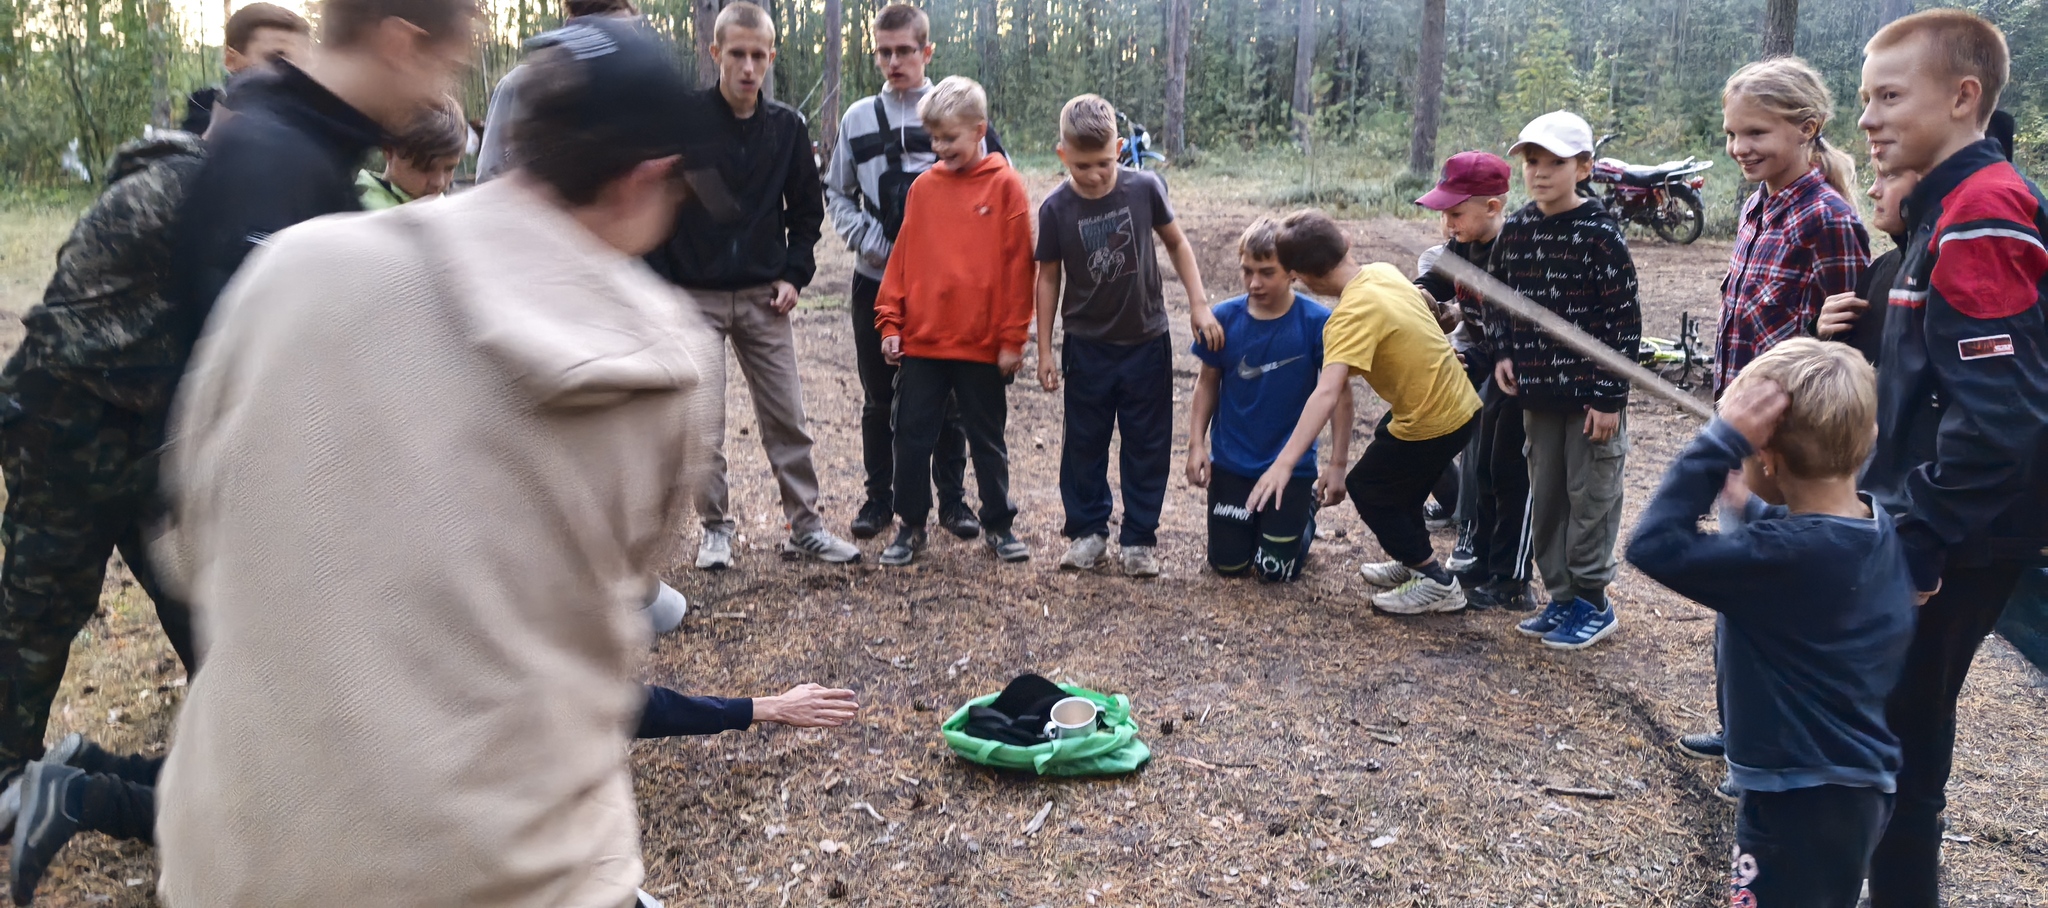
(1567, 253)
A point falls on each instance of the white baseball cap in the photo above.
(1562, 132)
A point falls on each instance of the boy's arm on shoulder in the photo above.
(1669, 546)
(1985, 343)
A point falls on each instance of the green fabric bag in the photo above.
(1111, 750)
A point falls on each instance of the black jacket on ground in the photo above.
(289, 154)
(756, 204)
(1962, 384)
(1577, 265)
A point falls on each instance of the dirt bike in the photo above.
(1664, 198)
(1138, 153)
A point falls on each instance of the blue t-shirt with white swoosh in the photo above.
(1269, 369)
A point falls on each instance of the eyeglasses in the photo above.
(886, 54)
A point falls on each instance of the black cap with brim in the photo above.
(631, 86)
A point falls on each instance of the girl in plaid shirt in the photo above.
(1800, 240)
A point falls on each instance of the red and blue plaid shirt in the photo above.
(1794, 250)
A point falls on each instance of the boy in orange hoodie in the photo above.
(953, 312)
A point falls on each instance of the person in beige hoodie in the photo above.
(421, 470)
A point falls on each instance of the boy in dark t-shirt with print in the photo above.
(1097, 269)
(1247, 399)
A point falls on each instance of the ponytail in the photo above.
(1837, 165)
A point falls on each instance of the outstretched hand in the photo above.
(1754, 409)
(1271, 483)
(808, 706)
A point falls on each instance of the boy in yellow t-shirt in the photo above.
(1385, 332)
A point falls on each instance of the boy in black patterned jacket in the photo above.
(1568, 254)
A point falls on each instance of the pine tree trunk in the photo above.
(1781, 25)
(1889, 11)
(703, 14)
(1178, 24)
(835, 48)
(1304, 63)
(781, 29)
(985, 26)
(1429, 90)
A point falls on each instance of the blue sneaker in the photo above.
(1552, 616)
(1586, 625)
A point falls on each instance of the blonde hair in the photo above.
(742, 14)
(954, 98)
(1261, 240)
(1789, 88)
(1964, 43)
(1830, 421)
(1088, 123)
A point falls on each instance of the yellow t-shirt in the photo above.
(1384, 331)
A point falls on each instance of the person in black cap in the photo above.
(422, 467)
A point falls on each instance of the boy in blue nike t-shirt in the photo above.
(1247, 400)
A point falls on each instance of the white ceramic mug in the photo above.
(1073, 717)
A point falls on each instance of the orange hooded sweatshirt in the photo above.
(960, 279)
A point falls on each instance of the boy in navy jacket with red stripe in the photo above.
(1962, 395)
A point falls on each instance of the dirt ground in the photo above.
(1307, 751)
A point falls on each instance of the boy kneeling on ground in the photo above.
(1817, 610)
(1385, 331)
(1245, 401)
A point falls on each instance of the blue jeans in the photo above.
(1128, 389)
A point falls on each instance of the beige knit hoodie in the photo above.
(422, 466)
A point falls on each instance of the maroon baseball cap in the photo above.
(1467, 174)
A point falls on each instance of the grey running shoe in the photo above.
(715, 552)
(822, 545)
(1084, 553)
(1385, 574)
(1139, 561)
(1421, 595)
(666, 612)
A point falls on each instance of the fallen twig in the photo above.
(1038, 822)
(1594, 794)
(1214, 766)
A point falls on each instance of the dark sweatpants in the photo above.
(1271, 542)
(1806, 848)
(1500, 537)
(1906, 871)
(1126, 389)
(878, 398)
(1391, 481)
(922, 387)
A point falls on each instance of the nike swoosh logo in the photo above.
(1246, 370)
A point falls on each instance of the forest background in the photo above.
(1350, 103)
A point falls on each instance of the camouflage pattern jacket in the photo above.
(107, 322)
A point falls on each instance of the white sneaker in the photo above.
(667, 610)
(822, 545)
(715, 552)
(1385, 574)
(1084, 553)
(1421, 595)
(1140, 562)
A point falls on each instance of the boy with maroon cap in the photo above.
(1472, 197)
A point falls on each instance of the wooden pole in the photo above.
(1564, 332)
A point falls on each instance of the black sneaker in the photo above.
(1436, 516)
(43, 826)
(903, 550)
(1007, 546)
(1480, 592)
(1513, 595)
(1703, 746)
(958, 519)
(1728, 790)
(874, 517)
